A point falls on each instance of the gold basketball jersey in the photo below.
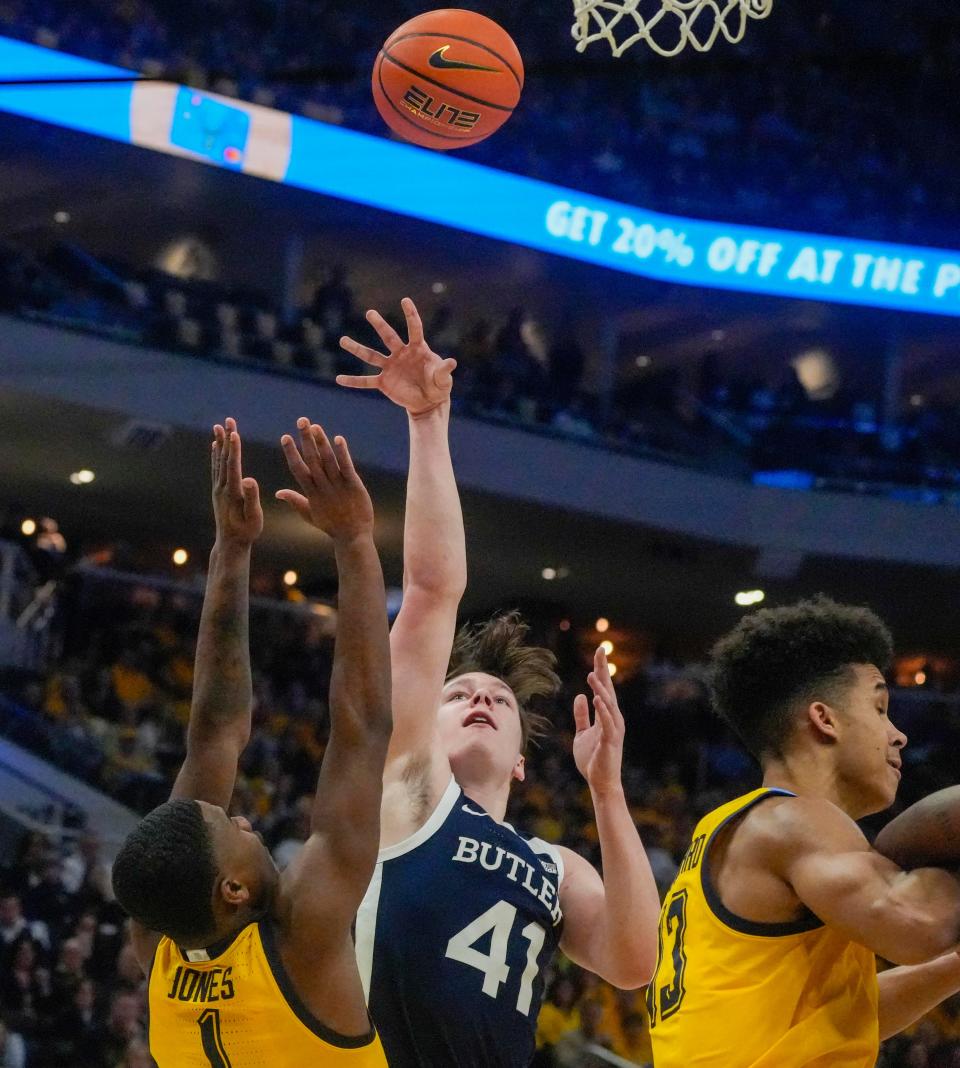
(733, 993)
(233, 1006)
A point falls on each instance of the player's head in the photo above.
(189, 871)
(486, 721)
(809, 678)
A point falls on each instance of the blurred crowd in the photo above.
(513, 370)
(113, 711)
(831, 114)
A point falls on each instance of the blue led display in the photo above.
(452, 192)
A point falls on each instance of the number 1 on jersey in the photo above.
(498, 923)
(213, 1050)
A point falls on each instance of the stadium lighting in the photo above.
(439, 287)
(83, 477)
(28, 527)
(607, 647)
(920, 678)
(602, 625)
(564, 624)
(290, 578)
(61, 217)
(180, 557)
(612, 668)
(642, 362)
(746, 598)
(549, 574)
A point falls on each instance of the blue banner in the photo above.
(465, 196)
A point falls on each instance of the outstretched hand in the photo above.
(598, 746)
(334, 499)
(236, 500)
(412, 376)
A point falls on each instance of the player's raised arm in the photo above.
(610, 924)
(219, 725)
(905, 917)
(330, 875)
(434, 551)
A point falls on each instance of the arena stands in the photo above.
(514, 371)
(821, 134)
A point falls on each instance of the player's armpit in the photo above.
(907, 918)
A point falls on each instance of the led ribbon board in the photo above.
(428, 185)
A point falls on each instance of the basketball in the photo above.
(927, 833)
(447, 79)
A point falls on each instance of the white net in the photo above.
(667, 26)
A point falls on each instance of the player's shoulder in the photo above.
(787, 823)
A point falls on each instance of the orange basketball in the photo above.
(447, 78)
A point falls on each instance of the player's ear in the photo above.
(824, 720)
(518, 769)
(233, 893)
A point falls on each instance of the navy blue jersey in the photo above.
(453, 937)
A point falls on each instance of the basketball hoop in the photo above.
(667, 26)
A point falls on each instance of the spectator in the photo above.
(14, 926)
(25, 988)
(13, 1050)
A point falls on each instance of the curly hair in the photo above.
(498, 648)
(779, 658)
(165, 872)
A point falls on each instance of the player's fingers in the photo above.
(297, 501)
(296, 464)
(414, 322)
(581, 712)
(344, 459)
(602, 686)
(443, 376)
(327, 456)
(214, 460)
(604, 714)
(226, 447)
(234, 464)
(363, 352)
(384, 330)
(601, 668)
(309, 447)
(251, 493)
(359, 381)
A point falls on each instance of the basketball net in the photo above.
(668, 26)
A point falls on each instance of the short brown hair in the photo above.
(498, 648)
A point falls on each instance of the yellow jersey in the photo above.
(233, 1006)
(734, 993)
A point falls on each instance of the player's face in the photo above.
(479, 723)
(869, 753)
(242, 858)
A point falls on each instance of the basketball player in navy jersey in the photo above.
(464, 912)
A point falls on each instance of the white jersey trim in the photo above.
(433, 824)
(366, 930)
(540, 847)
